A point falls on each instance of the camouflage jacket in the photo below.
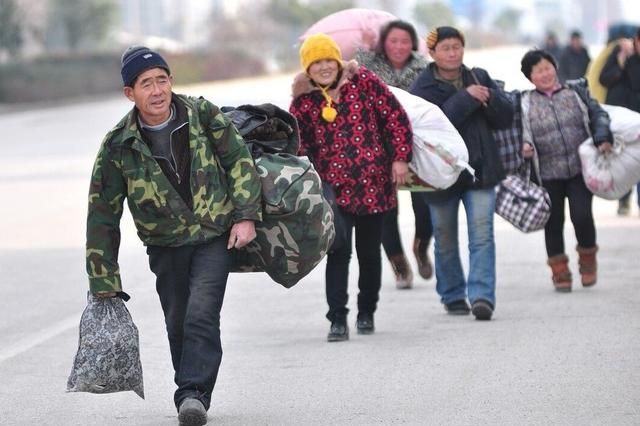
(224, 185)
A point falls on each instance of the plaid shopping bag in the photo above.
(509, 140)
(522, 202)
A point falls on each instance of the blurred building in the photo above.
(167, 24)
(185, 24)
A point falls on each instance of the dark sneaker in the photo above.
(192, 413)
(482, 310)
(339, 331)
(457, 307)
(364, 323)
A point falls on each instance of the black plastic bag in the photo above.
(108, 357)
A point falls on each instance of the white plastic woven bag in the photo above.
(613, 174)
(439, 152)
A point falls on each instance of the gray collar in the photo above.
(160, 126)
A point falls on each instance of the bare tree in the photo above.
(10, 28)
(433, 14)
(293, 13)
(507, 22)
(81, 21)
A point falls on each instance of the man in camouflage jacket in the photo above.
(194, 194)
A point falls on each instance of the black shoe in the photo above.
(192, 413)
(482, 310)
(339, 331)
(364, 323)
(457, 307)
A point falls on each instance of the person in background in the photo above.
(475, 105)
(359, 138)
(621, 76)
(574, 59)
(194, 195)
(615, 32)
(552, 45)
(396, 61)
(553, 123)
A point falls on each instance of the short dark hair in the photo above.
(576, 34)
(401, 25)
(532, 58)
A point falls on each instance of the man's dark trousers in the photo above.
(191, 281)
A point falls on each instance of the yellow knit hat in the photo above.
(316, 47)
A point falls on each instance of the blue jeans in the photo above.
(479, 205)
(191, 282)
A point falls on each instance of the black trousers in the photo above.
(368, 229)
(580, 200)
(191, 282)
(391, 232)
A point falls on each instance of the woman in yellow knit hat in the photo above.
(359, 139)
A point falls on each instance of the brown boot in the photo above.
(561, 274)
(421, 252)
(588, 265)
(402, 271)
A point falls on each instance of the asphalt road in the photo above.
(545, 359)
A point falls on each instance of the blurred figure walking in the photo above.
(552, 46)
(621, 76)
(574, 59)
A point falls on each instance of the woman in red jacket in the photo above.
(359, 139)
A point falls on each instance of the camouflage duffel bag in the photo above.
(297, 225)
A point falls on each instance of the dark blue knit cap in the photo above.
(138, 59)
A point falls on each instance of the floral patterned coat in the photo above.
(354, 153)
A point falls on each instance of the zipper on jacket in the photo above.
(173, 157)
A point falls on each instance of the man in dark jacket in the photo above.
(475, 105)
(621, 76)
(574, 59)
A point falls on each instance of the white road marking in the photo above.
(23, 345)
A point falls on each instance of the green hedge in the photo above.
(69, 76)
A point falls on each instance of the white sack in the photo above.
(612, 175)
(439, 152)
